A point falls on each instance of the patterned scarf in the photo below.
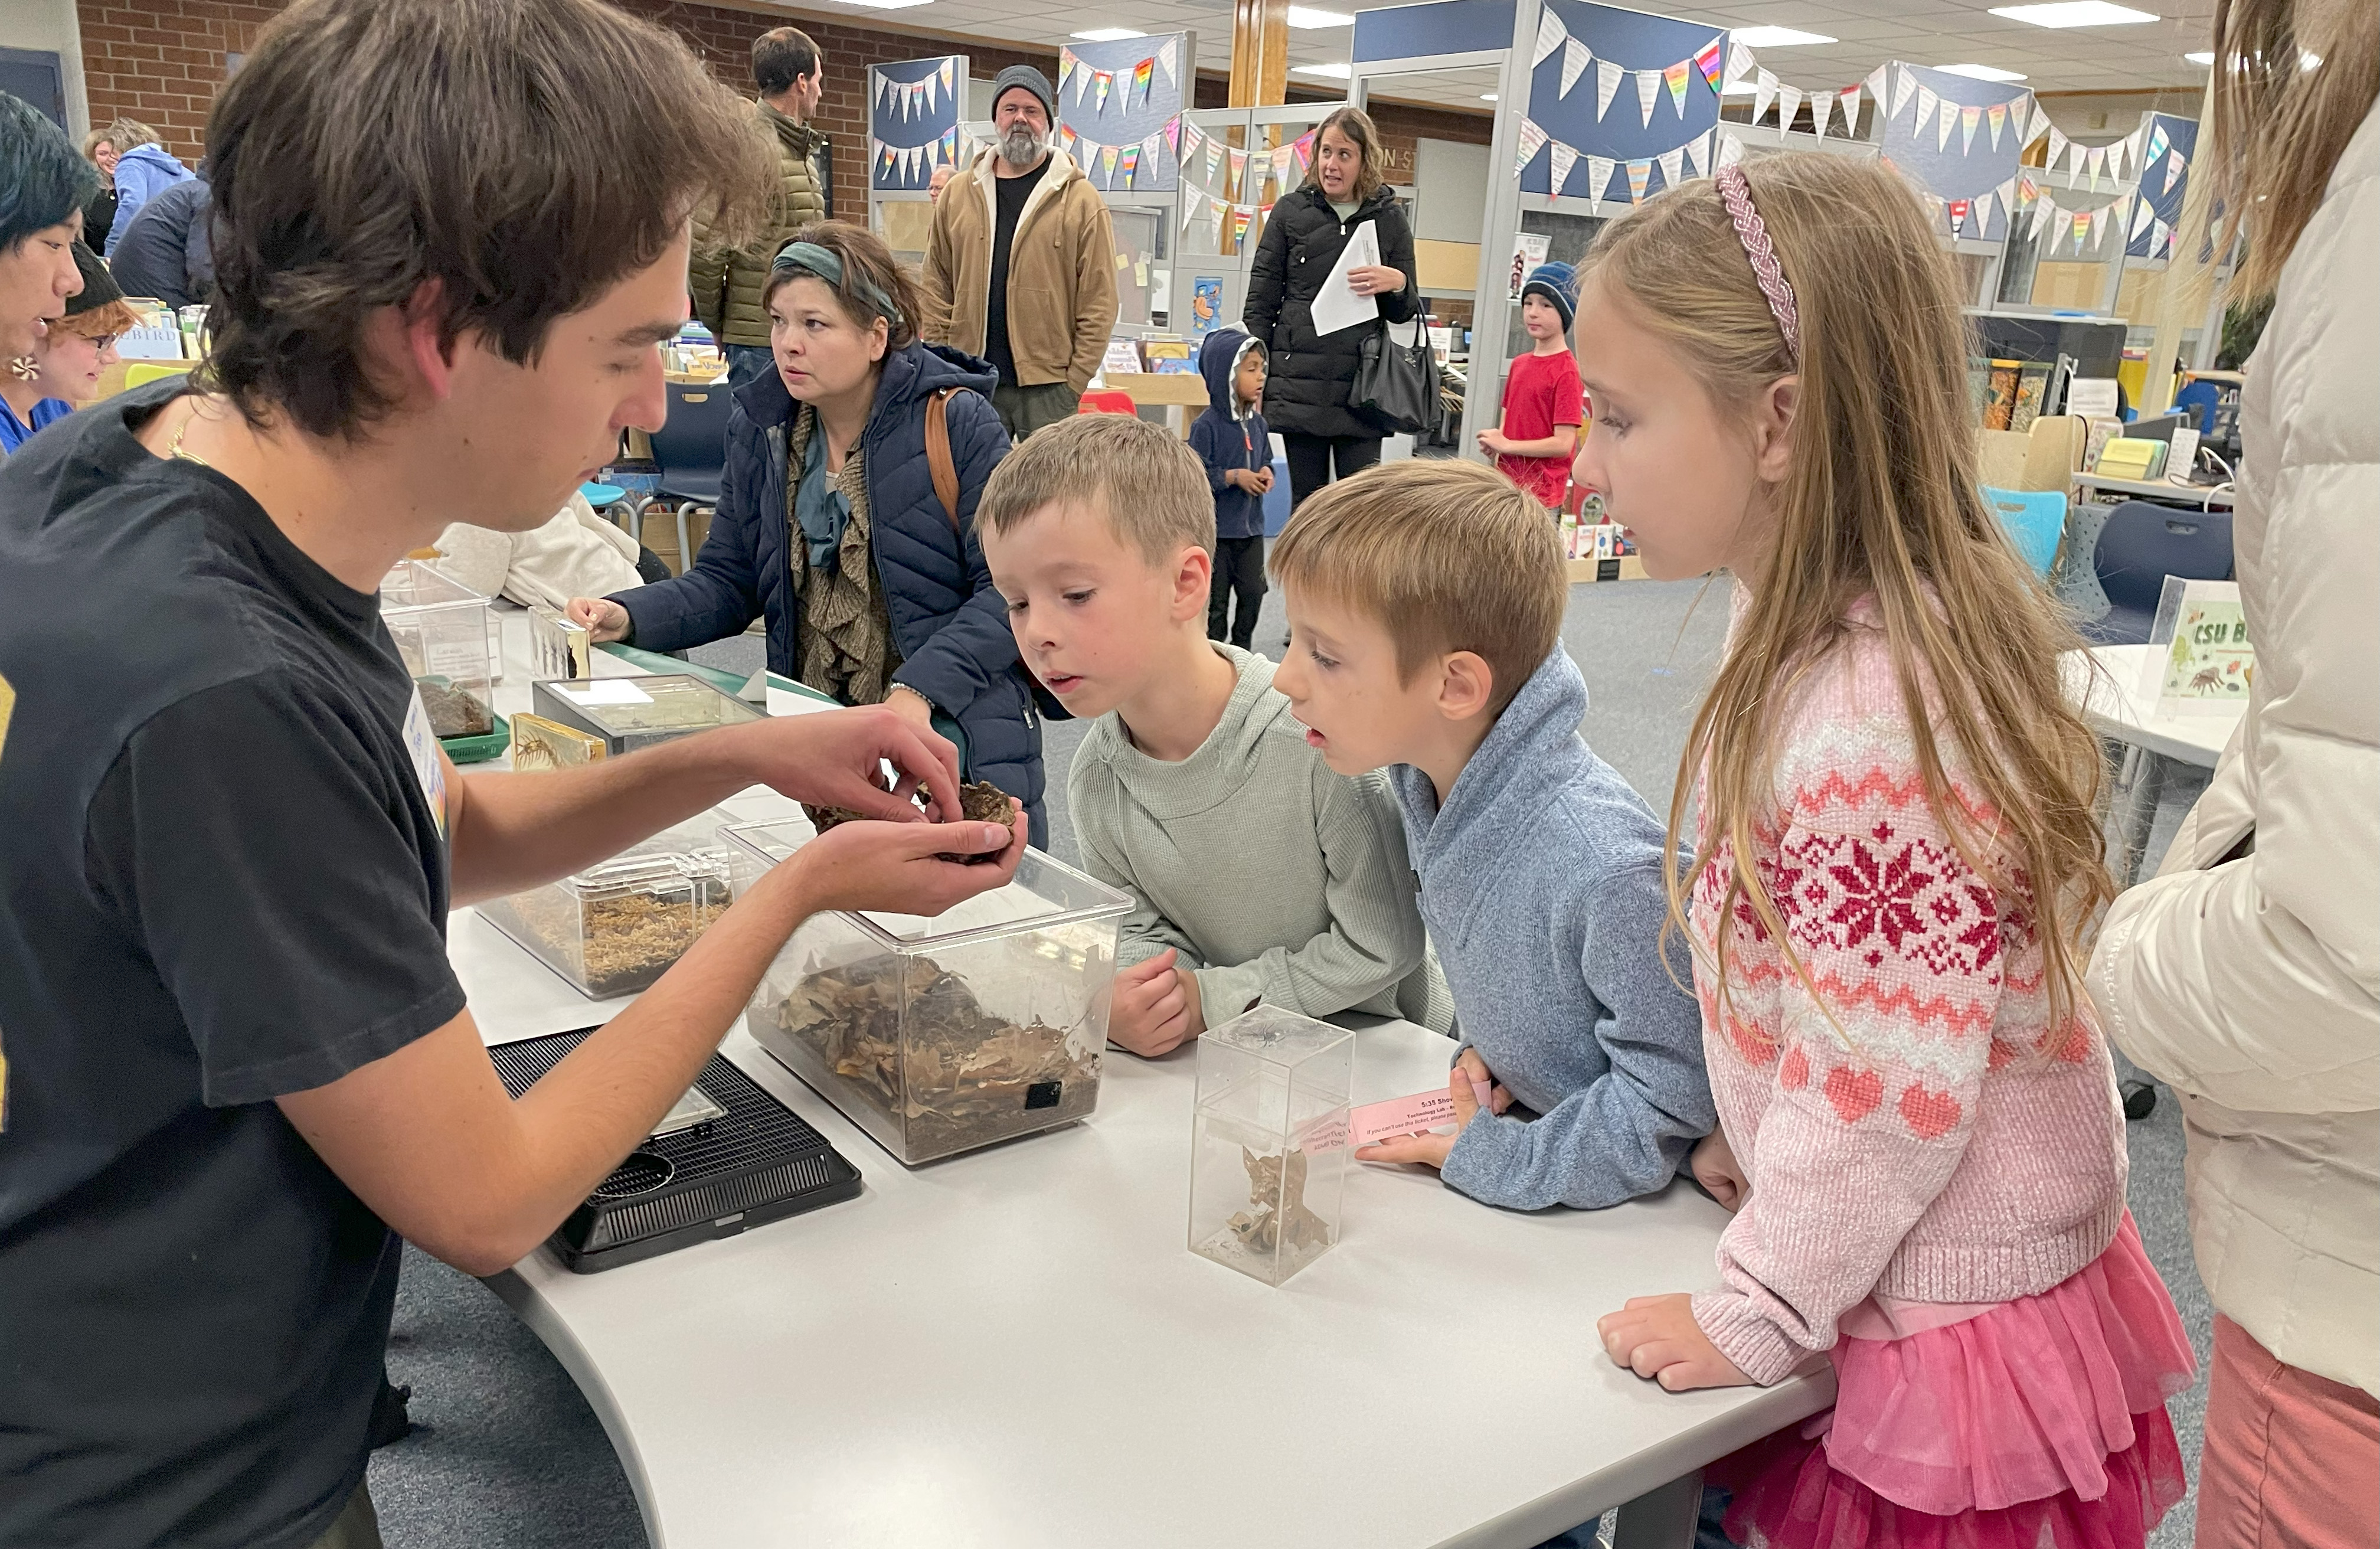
(842, 636)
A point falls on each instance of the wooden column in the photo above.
(1259, 52)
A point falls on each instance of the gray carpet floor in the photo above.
(508, 1456)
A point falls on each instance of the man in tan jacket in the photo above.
(727, 283)
(1020, 267)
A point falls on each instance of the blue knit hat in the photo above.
(1557, 283)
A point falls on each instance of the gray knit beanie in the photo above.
(1032, 80)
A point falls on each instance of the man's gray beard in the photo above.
(1020, 147)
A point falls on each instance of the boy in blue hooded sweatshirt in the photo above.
(1424, 602)
(1232, 441)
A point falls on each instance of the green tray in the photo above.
(479, 749)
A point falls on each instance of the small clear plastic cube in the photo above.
(445, 632)
(1269, 1141)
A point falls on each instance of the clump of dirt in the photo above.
(979, 801)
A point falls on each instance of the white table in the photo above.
(1016, 1347)
(2205, 496)
(2109, 682)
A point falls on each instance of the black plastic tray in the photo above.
(759, 1164)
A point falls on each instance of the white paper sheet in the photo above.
(1336, 305)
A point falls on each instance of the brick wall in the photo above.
(161, 62)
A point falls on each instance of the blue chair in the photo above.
(1276, 500)
(2033, 521)
(2200, 400)
(690, 449)
(2143, 542)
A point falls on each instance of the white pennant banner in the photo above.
(1731, 148)
(1168, 59)
(1673, 168)
(1607, 85)
(1598, 176)
(1821, 103)
(1564, 158)
(1764, 93)
(1550, 33)
(1926, 103)
(1902, 84)
(1950, 117)
(1648, 92)
(1576, 59)
(1789, 102)
(1698, 152)
(1533, 140)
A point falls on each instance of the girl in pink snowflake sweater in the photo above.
(1895, 855)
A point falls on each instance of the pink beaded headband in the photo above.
(1750, 231)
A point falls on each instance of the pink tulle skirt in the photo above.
(2039, 1423)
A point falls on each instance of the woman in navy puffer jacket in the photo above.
(828, 522)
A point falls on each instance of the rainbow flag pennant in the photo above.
(1102, 79)
(1141, 74)
(1968, 118)
(1240, 216)
(1108, 164)
(1712, 61)
(1130, 163)
(1214, 159)
(1640, 172)
(1677, 76)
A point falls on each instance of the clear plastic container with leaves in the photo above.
(1269, 1141)
(942, 1035)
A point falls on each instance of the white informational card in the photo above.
(1336, 305)
(2091, 397)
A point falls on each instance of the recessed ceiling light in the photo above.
(1980, 72)
(1777, 37)
(1107, 34)
(2203, 57)
(1309, 19)
(1487, 96)
(2074, 13)
(1328, 72)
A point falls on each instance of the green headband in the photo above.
(821, 264)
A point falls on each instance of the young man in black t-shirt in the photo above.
(234, 1054)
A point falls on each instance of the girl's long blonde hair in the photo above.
(1881, 500)
(2279, 127)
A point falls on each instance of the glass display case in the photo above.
(613, 929)
(632, 712)
(1269, 1141)
(446, 632)
(943, 1035)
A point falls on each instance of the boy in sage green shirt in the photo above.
(1257, 872)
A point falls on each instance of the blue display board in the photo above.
(913, 109)
(1960, 140)
(2165, 179)
(1120, 110)
(1621, 105)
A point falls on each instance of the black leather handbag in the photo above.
(1397, 382)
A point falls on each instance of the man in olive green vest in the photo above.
(727, 283)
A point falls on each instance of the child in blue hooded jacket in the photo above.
(1231, 440)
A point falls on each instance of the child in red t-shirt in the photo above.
(1543, 406)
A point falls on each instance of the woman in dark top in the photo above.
(98, 150)
(1308, 375)
(830, 527)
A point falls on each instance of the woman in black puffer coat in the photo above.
(1307, 376)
